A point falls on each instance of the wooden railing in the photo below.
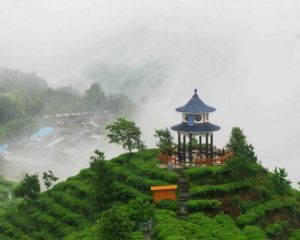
(219, 158)
(166, 159)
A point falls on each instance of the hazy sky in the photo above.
(243, 56)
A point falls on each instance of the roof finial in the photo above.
(195, 90)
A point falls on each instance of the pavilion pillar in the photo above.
(179, 147)
(184, 148)
(206, 146)
(200, 145)
(211, 146)
(190, 148)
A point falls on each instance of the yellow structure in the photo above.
(166, 192)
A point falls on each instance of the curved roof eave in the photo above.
(196, 128)
(185, 109)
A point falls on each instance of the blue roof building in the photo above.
(195, 123)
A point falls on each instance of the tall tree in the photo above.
(239, 145)
(125, 133)
(281, 184)
(49, 178)
(103, 181)
(115, 224)
(165, 140)
(237, 139)
(29, 187)
(9, 109)
(95, 97)
(244, 162)
(140, 211)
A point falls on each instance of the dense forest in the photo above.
(241, 200)
(24, 97)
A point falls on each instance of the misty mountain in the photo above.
(19, 81)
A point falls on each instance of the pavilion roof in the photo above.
(195, 105)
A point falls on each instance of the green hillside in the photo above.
(7, 200)
(219, 207)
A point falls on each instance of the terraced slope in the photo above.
(254, 202)
(67, 208)
(218, 206)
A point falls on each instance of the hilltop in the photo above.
(220, 205)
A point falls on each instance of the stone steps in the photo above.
(183, 186)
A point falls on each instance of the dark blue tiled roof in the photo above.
(195, 105)
(196, 127)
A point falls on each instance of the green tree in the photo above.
(115, 224)
(140, 210)
(238, 144)
(9, 109)
(49, 178)
(29, 187)
(95, 97)
(103, 181)
(281, 184)
(239, 167)
(237, 139)
(244, 162)
(165, 140)
(125, 133)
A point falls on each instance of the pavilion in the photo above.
(195, 136)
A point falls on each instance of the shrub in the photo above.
(124, 175)
(214, 228)
(241, 168)
(169, 227)
(198, 205)
(295, 235)
(125, 193)
(68, 201)
(140, 211)
(227, 223)
(75, 187)
(254, 233)
(202, 175)
(150, 170)
(148, 154)
(258, 212)
(115, 224)
(273, 229)
(137, 236)
(89, 233)
(168, 205)
(212, 190)
(59, 212)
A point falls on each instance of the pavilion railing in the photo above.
(219, 158)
